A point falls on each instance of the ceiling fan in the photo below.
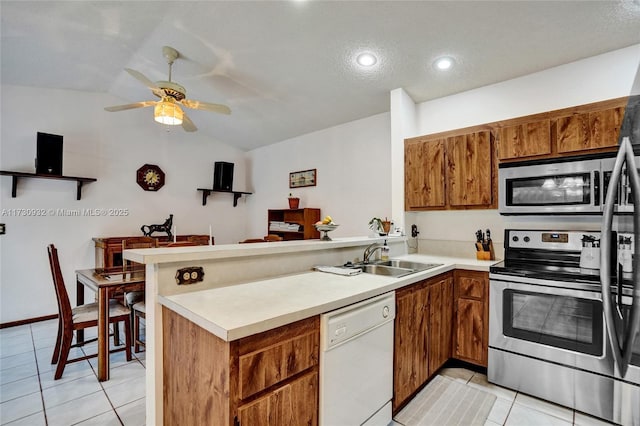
(167, 110)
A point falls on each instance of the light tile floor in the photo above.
(517, 409)
(29, 396)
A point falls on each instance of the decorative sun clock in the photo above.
(150, 177)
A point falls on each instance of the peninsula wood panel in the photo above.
(197, 369)
(525, 140)
(201, 374)
(294, 404)
(469, 169)
(471, 316)
(410, 357)
(424, 174)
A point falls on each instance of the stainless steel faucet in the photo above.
(368, 252)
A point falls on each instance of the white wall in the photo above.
(353, 175)
(109, 147)
(593, 79)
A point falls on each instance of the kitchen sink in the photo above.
(385, 270)
(394, 267)
(407, 264)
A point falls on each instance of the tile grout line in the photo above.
(44, 410)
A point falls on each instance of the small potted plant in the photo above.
(294, 202)
(382, 227)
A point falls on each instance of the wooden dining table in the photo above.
(107, 283)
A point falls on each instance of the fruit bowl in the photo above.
(325, 228)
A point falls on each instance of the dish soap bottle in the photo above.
(384, 252)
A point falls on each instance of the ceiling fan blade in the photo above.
(187, 124)
(206, 106)
(142, 104)
(144, 80)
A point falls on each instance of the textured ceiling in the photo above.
(286, 68)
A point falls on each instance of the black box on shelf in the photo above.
(223, 176)
(49, 154)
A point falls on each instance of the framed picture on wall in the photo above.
(302, 178)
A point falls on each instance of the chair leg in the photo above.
(136, 333)
(127, 338)
(116, 333)
(64, 353)
(56, 349)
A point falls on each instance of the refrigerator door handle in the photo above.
(621, 340)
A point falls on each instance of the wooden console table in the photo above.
(109, 249)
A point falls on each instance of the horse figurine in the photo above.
(165, 227)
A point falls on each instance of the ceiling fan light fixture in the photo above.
(167, 112)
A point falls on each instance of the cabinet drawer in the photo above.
(270, 365)
(470, 287)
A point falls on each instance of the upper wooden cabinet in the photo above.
(450, 172)
(469, 168)
(525, 140)
(587, 131)
(424, 173)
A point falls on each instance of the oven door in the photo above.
(555, 188)
(549, 323)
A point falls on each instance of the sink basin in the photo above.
(406, 264)
(385, 270)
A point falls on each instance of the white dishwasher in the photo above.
(356, 363)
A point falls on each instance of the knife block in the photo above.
(482, 254)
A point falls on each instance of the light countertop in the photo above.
(241, 310)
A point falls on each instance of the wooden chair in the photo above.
(139, 311)
(79, 318)
(133, 297)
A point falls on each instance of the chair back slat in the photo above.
(64, 306)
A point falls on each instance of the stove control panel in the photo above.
(548, 240)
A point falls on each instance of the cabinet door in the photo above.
(586, 131)
(291, 405)
(410, 342)
(525, 140)
(604, 127)
(440, 317)
(424, 174)
(471, 319)
(469, 169)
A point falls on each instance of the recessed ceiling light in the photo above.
(443, 63)
(366, 59)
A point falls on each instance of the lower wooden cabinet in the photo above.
(471, 316)
(422, 341)
(293, 404)
(266, 379)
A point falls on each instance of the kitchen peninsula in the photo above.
(231, 323)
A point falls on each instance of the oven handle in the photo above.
(621, 340)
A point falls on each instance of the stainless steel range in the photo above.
(548, 335)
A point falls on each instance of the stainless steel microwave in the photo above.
(574, 185)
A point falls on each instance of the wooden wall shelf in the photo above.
(236, 194)
(17, 175)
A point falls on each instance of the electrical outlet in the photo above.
(189, 275)
(414, 231)
(3, 229)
